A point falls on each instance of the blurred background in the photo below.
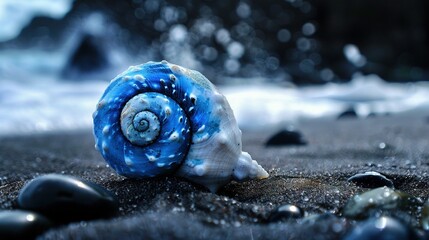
(289, 59)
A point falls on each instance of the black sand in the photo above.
(313, 177)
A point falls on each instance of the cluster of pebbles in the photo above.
(381, 212)
(53, 200)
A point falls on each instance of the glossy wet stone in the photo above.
(285, 212)
(286, 137)
(371, 180)
(382, 228)
(18, 224)
(380, 199)
(66, 199)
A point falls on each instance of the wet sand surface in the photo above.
(313, 177)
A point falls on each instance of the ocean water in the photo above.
(31, 103)
(260, 106)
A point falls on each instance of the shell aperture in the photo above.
(159, 118)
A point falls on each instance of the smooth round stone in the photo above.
(286, 212)
(383, 198)
(67, 199)
(371, 180)
(18, 224)
(286, 137)
(382, 228)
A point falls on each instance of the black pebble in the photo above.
(18, 224)
(286, 137)
(67, 199)
(371, 180)
(381, 228)
(286, 212)
(348, 113)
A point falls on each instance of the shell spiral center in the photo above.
(138, 124)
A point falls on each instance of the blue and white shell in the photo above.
(159, 118)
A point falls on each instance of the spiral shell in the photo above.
(158, 118)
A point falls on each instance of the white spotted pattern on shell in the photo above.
(159, 118)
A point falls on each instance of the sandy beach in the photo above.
(313, 177)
